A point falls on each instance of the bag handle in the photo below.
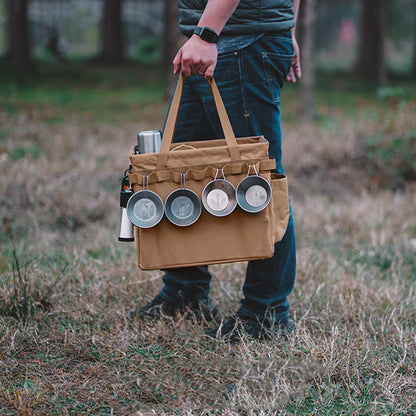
(173, 117)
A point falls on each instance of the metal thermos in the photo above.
(149, 141)
(126, 227)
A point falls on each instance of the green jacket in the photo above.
(251, 16)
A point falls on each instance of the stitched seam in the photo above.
(238, 57)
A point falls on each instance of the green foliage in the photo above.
(34, 151)
(3, 135)
(397, 93)
(102, 93)
(392, 159)
(147, 50)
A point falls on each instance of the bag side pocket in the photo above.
(280, 205)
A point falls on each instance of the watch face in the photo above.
(207, 34)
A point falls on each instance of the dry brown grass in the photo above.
(75, 352)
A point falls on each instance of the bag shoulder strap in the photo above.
(172, 118)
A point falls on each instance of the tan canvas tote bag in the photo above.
(238, 236)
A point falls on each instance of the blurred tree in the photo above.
(113, 50)
(170, 40)
(18, 35)
(307, 18)
(414, 42)
(171, 32)
(371, 52)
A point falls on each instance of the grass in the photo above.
(71, 351)
(112, 95)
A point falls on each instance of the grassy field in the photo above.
(66, 283)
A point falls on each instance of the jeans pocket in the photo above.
(227, 67)
(276, 67)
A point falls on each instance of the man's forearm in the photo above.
(217, 13)
(295, 72)
(296, 4)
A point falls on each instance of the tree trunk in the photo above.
(414, 42)
(18, 35)
(170, 41)
(371, 54)
(307, 16)
(112, 33)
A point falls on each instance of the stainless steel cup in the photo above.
(253, 192)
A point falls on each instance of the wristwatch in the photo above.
(207, 34)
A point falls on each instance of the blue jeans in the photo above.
(250, 82)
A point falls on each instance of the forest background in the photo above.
(78, 80)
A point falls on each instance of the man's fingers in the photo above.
(291, 76)
(177, 62)
(186, 68)
(298, 71)
(189, 66)
(196, 57)
(209, 72)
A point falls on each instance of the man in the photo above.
(250, 49)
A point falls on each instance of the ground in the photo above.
(67, 284)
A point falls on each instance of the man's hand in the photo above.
(295, 71)
(196, 57)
